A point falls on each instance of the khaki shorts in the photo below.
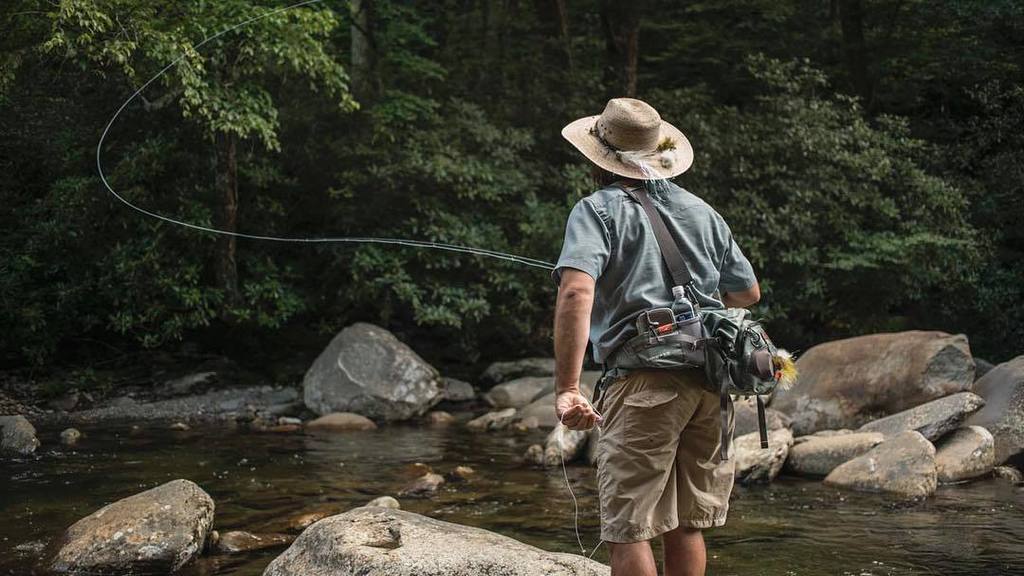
(658, 466)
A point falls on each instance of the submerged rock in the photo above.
(499, 372)
(17, 436)
(497, 420)
(240, 542)
(70, 437)
(375, 541)
(1008, 473)
(818, 455)
(439, 418)
(933, 419)
(903, 466)
(966, 453)
(423, 486)
(845, 383)
(341, 422)
(757, 465)
(156, 531)
(461, 474)
(1003, 414)
(385, 502)
(367, 370)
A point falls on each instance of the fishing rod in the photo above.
(302, 240)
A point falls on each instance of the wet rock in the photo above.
(758, 465)
(385, 502)
(341, 422)
(933, 419)
(416, 469)
(157, 531)
(439, 418)
(240, 542)
(180, 427)
(1008, 473)
(499, 372)
(524, 425)
(534, 455)
(289, 421)
(392, 542)
(566, 444)
(302, 520)
(17, 436)
(70, 437)
(746, 417)
(966, 453)
(366, 370)
(454, 390)
(846, 383)
(902, 466)
(519, 392)
(423, 486)
(497, 420)
(185, 384)
(818, 455)
(461, 474)
(1003, 414)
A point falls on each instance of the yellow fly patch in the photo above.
(785, 368)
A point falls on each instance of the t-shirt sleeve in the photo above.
(736, 272)
(587, 245)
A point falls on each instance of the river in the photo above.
(793, 527)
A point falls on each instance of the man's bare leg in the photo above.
(634, 559)
(685, 554)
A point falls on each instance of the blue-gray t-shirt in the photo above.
(608, 237)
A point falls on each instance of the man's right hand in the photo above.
(575, 412)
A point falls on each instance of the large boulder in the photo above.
(1003, 414)
(902, 466)
(933, 419)
(818, 455)
(966, 453)
(497, 420)
(758, 465)
(17, 436)
(499, 372)
(154, 532)
(383, 542)
(845, 383)
(366, 370)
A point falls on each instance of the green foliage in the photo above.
(898, 208)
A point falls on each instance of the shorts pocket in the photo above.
(649, 415)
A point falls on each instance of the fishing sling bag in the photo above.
(733, 349)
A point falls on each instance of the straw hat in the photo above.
(630, 139)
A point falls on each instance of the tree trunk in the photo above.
(851, 20)
(621, 22)
(363, 54)
(554, 16)
(226, 267)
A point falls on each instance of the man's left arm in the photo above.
(572, 330)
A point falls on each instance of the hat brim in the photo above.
(579, 134)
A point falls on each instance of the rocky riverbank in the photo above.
(947, 428)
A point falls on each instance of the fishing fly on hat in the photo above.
(630, 139)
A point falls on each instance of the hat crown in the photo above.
(629, 124)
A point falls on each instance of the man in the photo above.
(659, 469)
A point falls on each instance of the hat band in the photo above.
(663, 155)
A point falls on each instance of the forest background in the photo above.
(868, 155)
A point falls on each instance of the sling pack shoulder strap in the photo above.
(669, 249)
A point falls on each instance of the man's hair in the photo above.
(602, 177)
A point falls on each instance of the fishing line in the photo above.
(311, 240)
(565, 474)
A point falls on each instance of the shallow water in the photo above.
(793, 527)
